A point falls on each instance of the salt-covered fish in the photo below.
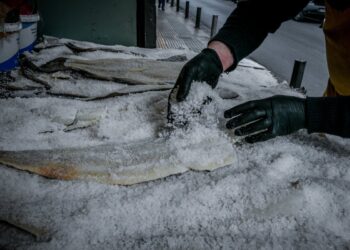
(123, 164)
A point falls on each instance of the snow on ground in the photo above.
(288, 193)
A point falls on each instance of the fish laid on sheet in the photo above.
(77, 87)
(80, 49)
(124, 164)
(130, 71)
(136, 71)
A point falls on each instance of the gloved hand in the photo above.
(205, 67)
(264, 119)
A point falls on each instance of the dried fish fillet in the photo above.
(79, 49)
(74, 85)
(124, 164)
(130, 71)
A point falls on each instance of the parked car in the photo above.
(314, 11)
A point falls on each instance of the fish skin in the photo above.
(123, 164)
(129, 71)
(136, 71)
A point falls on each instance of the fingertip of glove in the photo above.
(229, 125)
(238, 132)
(249, 140)
(227, 114)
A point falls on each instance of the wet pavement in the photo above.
(176, 32)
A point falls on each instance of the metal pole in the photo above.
(187, 9)
(198, 18)
(177, 5)
(214, 25)
(298, 73)
(172, 3)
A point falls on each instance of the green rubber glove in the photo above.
(205, 67)
(264, 119)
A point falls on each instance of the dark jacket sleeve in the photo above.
(252, 20)
(328, 115)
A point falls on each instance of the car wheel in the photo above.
(299, 17)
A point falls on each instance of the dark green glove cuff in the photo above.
(214, 60)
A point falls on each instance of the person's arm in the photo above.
(260, 120)
(252, 20)
(243, 32)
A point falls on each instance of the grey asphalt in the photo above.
(293, 40)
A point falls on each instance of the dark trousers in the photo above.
(161, 3)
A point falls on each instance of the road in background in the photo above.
(293, 40)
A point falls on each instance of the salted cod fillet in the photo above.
(129, 71)
(135, 71)
(123, 164)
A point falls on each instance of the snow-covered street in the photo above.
(287, 193)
